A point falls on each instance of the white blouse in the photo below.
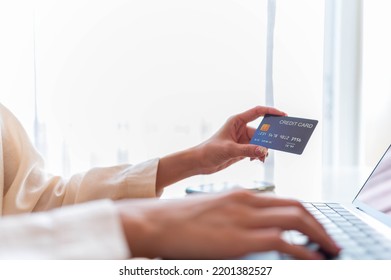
(90, 230)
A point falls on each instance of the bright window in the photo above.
(376, 81)
(124, 81)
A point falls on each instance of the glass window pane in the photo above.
(376, 80)
(131, 80)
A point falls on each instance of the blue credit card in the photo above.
(286, 134)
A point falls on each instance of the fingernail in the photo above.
(336, 246)
(260, 151)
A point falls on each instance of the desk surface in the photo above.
(337, 185)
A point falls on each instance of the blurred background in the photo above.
(98, 83)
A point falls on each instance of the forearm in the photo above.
(175, 167)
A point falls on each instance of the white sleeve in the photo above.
(25, 186)
(86, 231)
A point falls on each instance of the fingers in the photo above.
(250, 132)
(265, 212)
(298, 252)
(248, 150)
(271, 240)
(294, 218)
(262, 157)
(257, 112)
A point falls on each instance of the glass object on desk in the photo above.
(256, 186)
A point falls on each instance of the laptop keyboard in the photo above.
(357, 239)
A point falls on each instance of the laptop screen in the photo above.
(375, 196)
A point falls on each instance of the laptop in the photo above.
(362, 229)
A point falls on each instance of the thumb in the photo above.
(249, 150)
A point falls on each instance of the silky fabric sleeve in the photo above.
(87, 231)
(26, 187)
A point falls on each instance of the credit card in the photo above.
(286, 134)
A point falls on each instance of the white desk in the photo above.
(337, 185)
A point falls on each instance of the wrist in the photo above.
(135, 232)
(194, 158)
(178, 166)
